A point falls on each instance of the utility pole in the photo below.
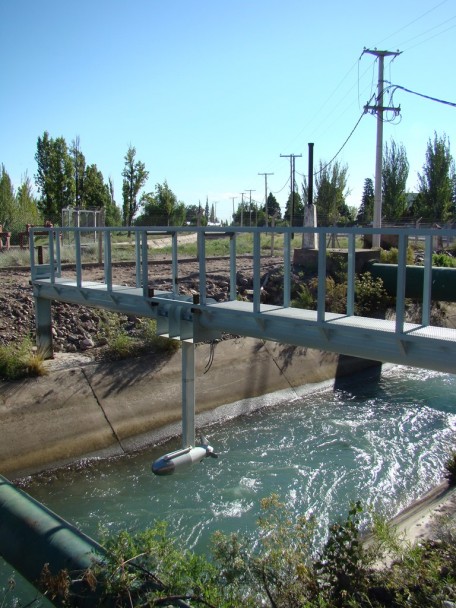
(242, 208)
(292, 182)
(266, 194)
(378, 109)
(250, 205)
(233, 198)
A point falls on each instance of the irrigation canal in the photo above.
(381, 440)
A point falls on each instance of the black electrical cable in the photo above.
(397, 86)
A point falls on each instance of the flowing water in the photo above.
(382, 440)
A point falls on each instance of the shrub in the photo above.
(122, 344)
(20, 360)
(391, 256)
(444, 261)
(370, 295)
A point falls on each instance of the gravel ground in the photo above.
(77, 328)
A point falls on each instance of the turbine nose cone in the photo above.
(163, 467)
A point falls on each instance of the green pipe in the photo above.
(31, 536)
(443, 281)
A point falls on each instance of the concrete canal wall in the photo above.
(105, 409)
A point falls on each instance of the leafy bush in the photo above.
(444, 261)
(279, 567)
(391, 256)
(20, 360)
(370, 295)
(122, 344)
(335, 300)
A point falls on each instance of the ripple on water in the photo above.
(382, 443)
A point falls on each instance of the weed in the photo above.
(20, 361)
(443, 261)
(391, 256)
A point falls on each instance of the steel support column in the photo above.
(188, 394)
(44, 327)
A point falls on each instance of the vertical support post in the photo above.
(107, 259)
(44, 327)
(233, 291)
(188, 394)
(256, 271)
(427, 281)
(51, 256)
(351, 275)
(400, 286)
(144, 264)
(286, 269)
(77, 246)
(174, 264)
(321, 299)
(138, 257)
(202, 265)
(58, 240)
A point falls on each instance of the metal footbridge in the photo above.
(198, 318)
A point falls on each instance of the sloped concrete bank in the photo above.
(105, 409)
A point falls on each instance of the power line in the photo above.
(397, 86)
(412, 22)
(266, 193)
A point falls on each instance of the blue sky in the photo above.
(211, 93)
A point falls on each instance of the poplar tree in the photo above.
(55, 176)
(7, 199)
(134, 178)
(436, 183)
(395, 172)
(331, 190)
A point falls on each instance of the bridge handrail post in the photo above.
(201, 243)
(107, 260)
(321, 297)
(58, 240)
(427, 281)
(401, 279)
(77, 252)
(174, 264)
(51, 256)
(286, 269)
(138, 258)
(256, 271)
(144, 264)
(233, 290)
(351, 275)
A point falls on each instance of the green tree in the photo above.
(27, 211)
(206, 209)
(96, 192)
(273, 207)
(55, 176)
(297, 211)
(193, 213)
(7, 199)
(436, 183)
(395, 172)
(134, 177)
(366, 208)
(162, 208)
(79, 168)
(113, 215)
(331, 191)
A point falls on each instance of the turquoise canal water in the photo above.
(379, 440)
